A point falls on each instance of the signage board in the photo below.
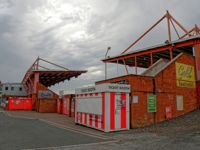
(45, 94)
(168, 111)
(106, 87)
(151, 103)
(185, 76)
(135, 99)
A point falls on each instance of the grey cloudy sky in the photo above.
(76, 33)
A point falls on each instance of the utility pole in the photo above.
(109, 48)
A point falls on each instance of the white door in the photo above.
(117, 110)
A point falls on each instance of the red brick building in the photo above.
(170, 86)
(163, 84)
(40, 76)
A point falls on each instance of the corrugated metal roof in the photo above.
(156, 46)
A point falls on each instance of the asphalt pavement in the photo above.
(17, 134)
(182, 133)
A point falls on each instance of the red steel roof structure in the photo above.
(47, 75)
(147, 56)
(168, 50)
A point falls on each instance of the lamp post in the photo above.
(109, 48)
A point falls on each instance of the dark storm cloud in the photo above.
(76, 34)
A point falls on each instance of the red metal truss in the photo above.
(147, 51)
(194, 31)
(47, 76)
(170, 21)
(146, 57)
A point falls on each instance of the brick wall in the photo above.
(198, 93)
(164, 86)
(167, 90)
(141, 86)
(197, 57)
(46, 105)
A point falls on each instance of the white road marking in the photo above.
(77, 145)
(22, 117)
(75, 130)
(62, 127)
(69, 129)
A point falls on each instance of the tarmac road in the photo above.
(17, 134)
(182, 133)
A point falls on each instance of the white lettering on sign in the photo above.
(45, 94)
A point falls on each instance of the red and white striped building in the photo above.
(104, 107)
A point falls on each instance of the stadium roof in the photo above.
(49, 76)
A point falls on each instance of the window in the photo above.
(20, 88)
(179, 102)
(12, 88)
(6, 88)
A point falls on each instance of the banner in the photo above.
(185, 76)
(151, 103)
(45, 95)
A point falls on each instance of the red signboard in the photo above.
(168, 111)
